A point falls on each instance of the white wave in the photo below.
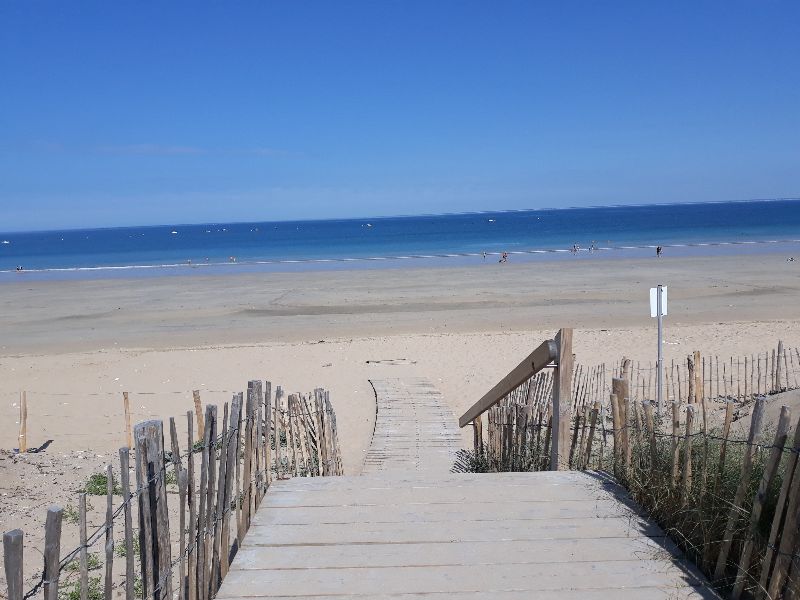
(531, 251)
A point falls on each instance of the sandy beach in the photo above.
(76, 346)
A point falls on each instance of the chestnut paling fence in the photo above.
(731, 501)
(221, 478)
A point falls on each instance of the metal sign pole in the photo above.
(660, 375)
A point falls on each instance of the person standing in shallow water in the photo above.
(658, 251)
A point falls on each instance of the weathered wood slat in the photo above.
(443, 512)
(445, 579)
(479, 554)
(637, 593)
(562, 397)
(125, 480)
(12, 562)
(219, 510)
(153, 515)
(109, 545)
(191, 501)
(394, 533)
(84, 556)
(52, 550)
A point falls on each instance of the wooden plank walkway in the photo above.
(410, 529)
(414, 429)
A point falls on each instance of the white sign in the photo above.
(654, 301)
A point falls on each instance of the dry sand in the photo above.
(75, 346)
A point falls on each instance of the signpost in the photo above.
(658, 308)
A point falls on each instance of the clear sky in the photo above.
(122, 113)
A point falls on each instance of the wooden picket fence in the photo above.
(732, 504)
(738, 377)
(259, 439)
(518, 432)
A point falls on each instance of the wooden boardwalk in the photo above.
(408, 528)
(414, 429)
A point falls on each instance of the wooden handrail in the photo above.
(537, 360)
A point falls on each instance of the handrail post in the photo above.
(477, 424)
(562, 402)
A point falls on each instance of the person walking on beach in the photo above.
(658, 251)
(504, 258)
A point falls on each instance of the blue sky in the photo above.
(121, 113)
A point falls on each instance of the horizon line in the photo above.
(411, 216)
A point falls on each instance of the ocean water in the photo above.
(544, 234)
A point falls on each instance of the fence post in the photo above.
(127, 407)
(254, 392)
(109, 545)
(617, 433)
(726, 430)
(676, 449)
(22, 441)
(276, 431)
(773, 374)
(620, 387)
(259, 454)
(744, 480)
(198, 410)
(268, 435)
(191, 500)
(153, 515)
(562, 401)
(699, 392)
(687, 455)
(291, 435)
(206, 494)
(770, 470)
(322, 446)
(219, 513)
(779, 527)
(52, 551)
(231, 458)
(477, 424)
(651, 432)
(125, 479)
(593, 424)
(84, 556)
(12, 561)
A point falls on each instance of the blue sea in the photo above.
(454, 239)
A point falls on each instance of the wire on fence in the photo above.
(257, 481)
